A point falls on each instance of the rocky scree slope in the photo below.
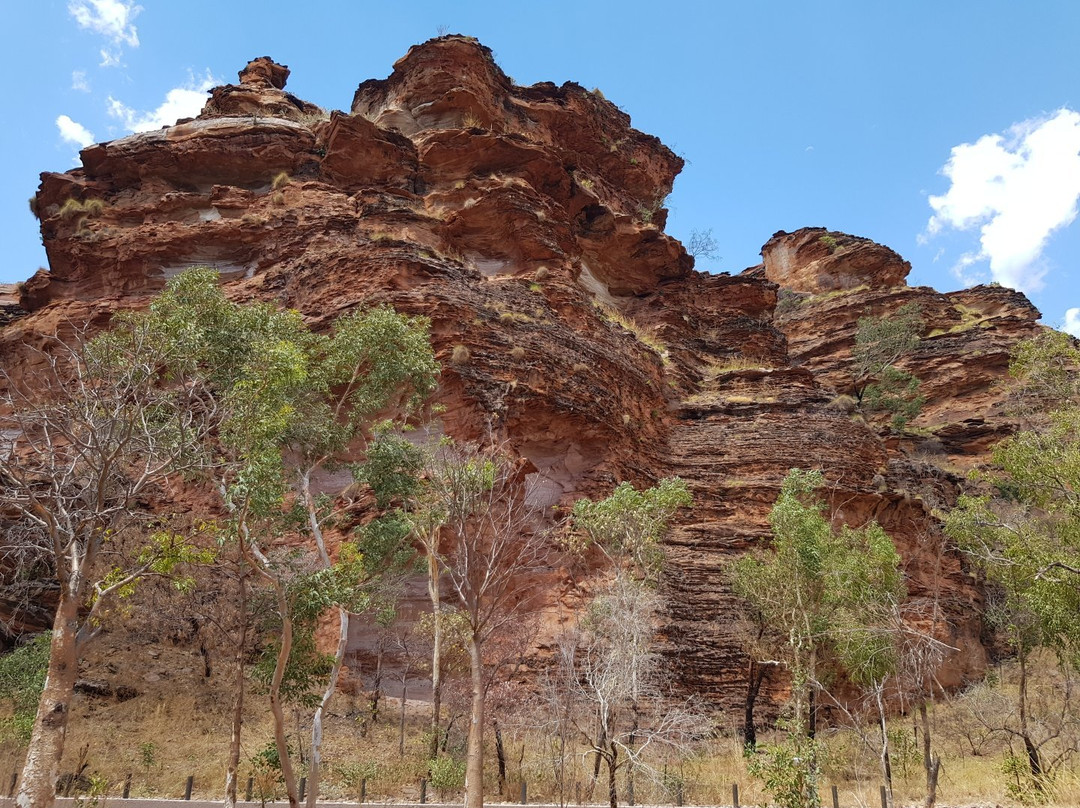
(528, 224)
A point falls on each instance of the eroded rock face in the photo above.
(525, 222)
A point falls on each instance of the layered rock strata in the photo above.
(527, 224)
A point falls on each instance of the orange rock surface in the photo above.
(523, 218)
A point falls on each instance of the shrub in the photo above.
(73, 208)
(829, 241)
(518, 352)
(460, 355)
(280, 180)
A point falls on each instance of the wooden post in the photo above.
(363, 789)
(187, 788)
(303, 788)
(735, 795)
(127, 787)
(423, 791)
(884, 798)
(835, 798)
(524, 792)
(250, 789)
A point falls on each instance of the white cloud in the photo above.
(79, 81)
(1072, 322)
(112, 19)
(73, 132)
(1017, 189)
(180, 102)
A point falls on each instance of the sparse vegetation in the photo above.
(643, 335)
(74, 209)
(280, 180)
(460, 355)
(829, 241)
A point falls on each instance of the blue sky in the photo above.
(949, 131)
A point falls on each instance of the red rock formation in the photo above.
(505, 214)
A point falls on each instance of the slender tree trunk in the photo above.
(37, 788)
(886, 759)
(474, 756)
(1034, 761)
(315, 769)
(401, 721)
(500, 756)
(436, 652)
(931, 762)
(276, 707)
(238, 701)
(753, 686)
(612, 766)
(376, 690)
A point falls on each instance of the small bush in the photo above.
(829, 241)
(542, 273)
(73, 208)
(517, 352)
(34, 207)
(278, 199)
(471, 121)
(460, 355)
(280, 180)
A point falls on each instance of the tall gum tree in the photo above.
(106, 424)
(293, 403)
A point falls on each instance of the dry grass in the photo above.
(645, 336)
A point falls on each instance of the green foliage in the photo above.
(629, 524)
(1045, 372)
(896, 392)
(829, 242)
(879, 343)
(446, 774)
(823, 594)
(392, 467)
(22, 678)
(789, 769)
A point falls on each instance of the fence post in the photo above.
(735, 795)
(127, 787)
(835, 798)
(250, 789)
(423, 791)
(363, 789)
(187, 788)
(884, 798)
(303, 788)
(524, 792)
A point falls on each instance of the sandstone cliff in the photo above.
(528, 224)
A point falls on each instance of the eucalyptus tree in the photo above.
(610, 676)
(881, 342)
(295, 402)
(486, 540)
(824, 591)
(104, 424)
(1023, 528)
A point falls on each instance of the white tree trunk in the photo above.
(474, 756)
(315, 769)
(38, 785)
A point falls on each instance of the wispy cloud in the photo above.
(112, 19)
(1016, 189)
(79, 81)
(1072, 322)
(185, 101)
(73, 132)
